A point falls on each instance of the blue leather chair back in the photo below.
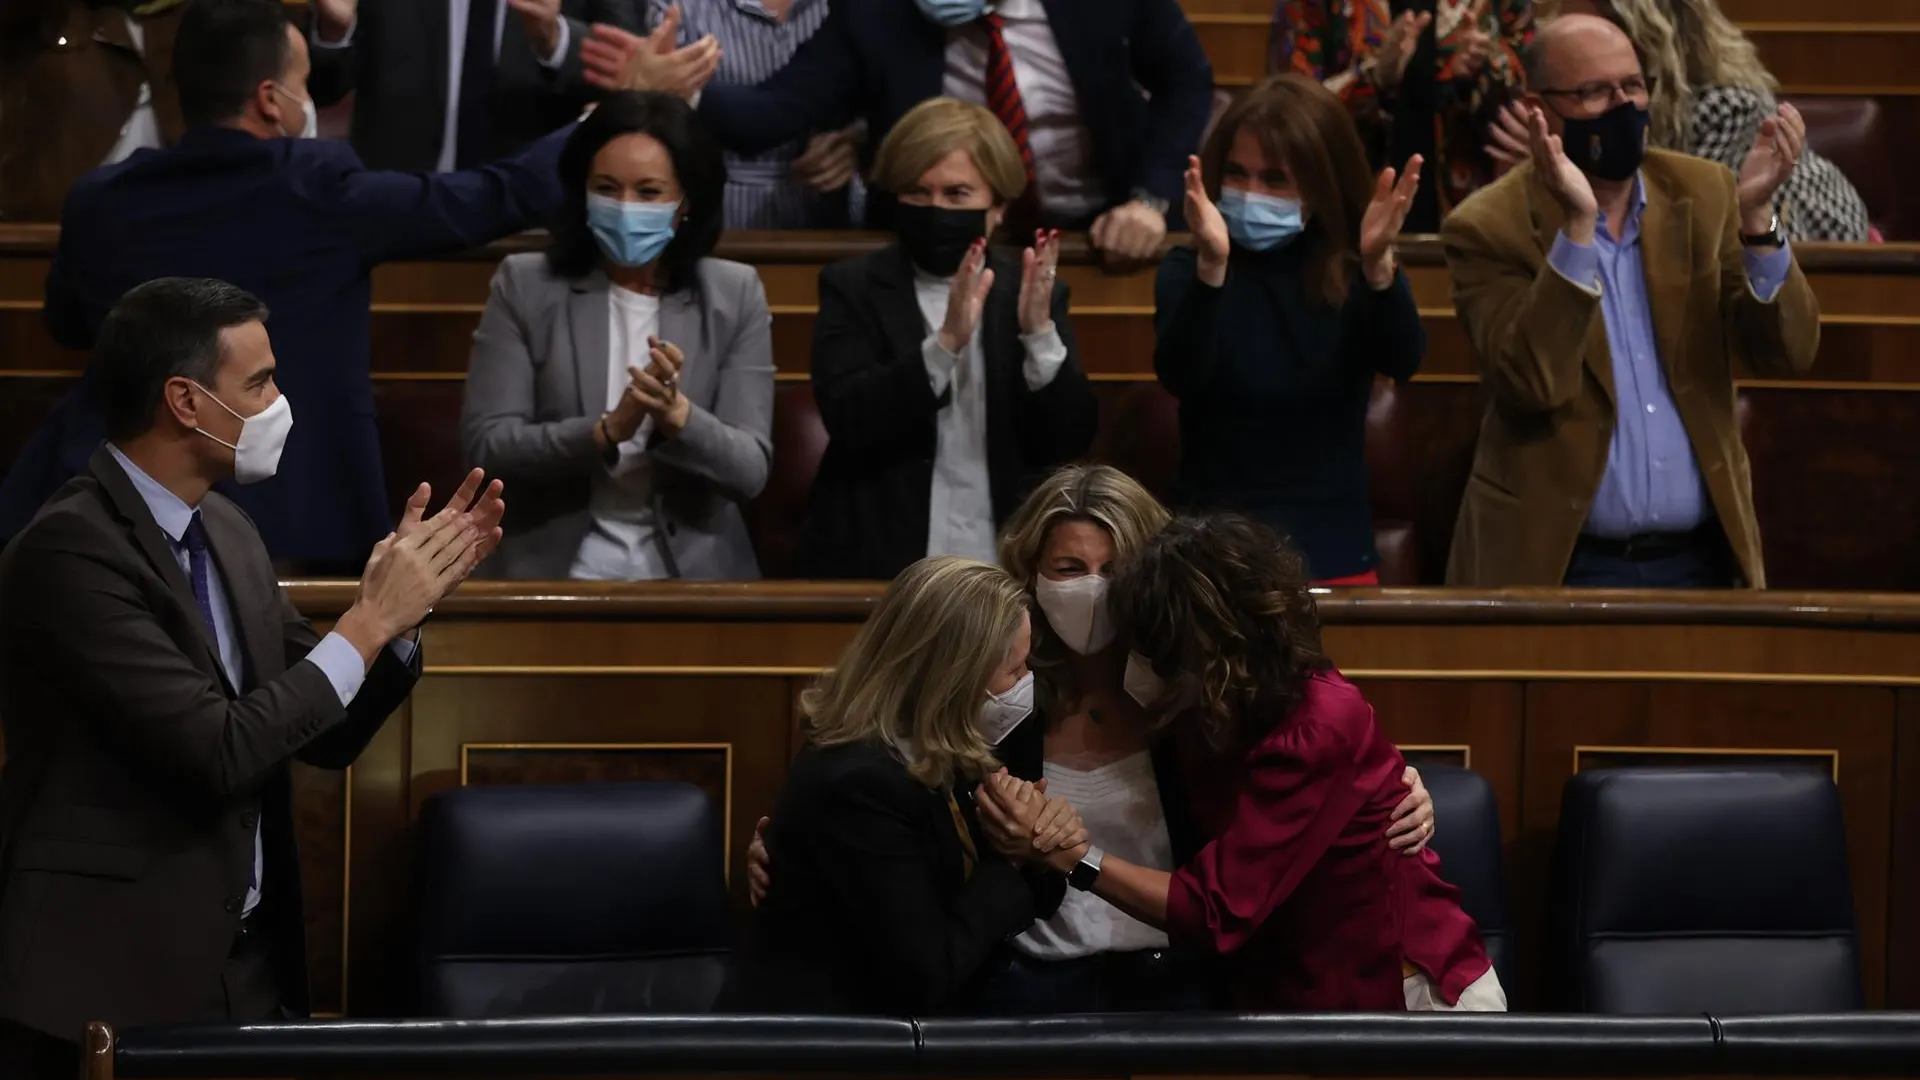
(589, 898)
(1689, 890)
(1466, 836)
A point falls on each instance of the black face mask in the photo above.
(937, 239)
(1609, 146)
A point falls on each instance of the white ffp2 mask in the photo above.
(1001, 713)
(1076, 609)
(263, 436)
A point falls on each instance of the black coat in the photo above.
(874, 913)
(870, 501)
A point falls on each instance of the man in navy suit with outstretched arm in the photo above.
(248, 196)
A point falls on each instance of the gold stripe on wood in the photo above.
(1833, 756)
(1465, 751)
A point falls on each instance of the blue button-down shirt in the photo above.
(1652, 482)
(335, 656)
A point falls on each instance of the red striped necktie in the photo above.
(1003, 100)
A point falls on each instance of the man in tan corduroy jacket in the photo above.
(1609, 291)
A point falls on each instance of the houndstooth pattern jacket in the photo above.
(1816, 203)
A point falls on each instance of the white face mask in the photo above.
(262, 437)
(1076, 608)
(1140, 682)
(1001, 713)
(310, 128)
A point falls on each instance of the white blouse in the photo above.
(1120, 805)
(960, 512)
(622, 544)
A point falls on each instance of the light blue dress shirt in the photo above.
(335, 656)
(1652, 483)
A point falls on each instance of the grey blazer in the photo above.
(537, 384)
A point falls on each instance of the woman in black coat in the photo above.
(893, 900)
(944, 370)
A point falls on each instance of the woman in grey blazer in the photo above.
(622, 381)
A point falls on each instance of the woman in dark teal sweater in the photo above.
(1273, 326)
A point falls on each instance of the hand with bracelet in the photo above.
(653, 392)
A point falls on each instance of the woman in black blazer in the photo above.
(944, 371)
(892, 899)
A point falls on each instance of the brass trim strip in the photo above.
(346, 882)
(1709, 751)
(1464, 750)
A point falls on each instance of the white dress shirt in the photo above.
(335, 656)
(960, 512)
(1069, 181)
(623, 545)
(457, 59)
(142, 129)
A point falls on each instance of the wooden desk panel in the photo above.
(538, 683)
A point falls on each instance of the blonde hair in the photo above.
(915, 675)
(1100, 494)
(937, 127)
(1687, 46)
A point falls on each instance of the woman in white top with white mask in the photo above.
(1097, 749)
(622, 381)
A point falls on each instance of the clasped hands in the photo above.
(1027, 826)
(652, 392)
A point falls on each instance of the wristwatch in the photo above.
(1087, 871)
(1770, 238)
(1149, 200)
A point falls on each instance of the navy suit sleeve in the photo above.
(402, 215)
(1170, 65)
(64, 308)
(1385, 329)
(818, 89)
(1186, 321)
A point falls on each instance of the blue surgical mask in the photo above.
(631, 233)
(1260, 222)
(952, 12)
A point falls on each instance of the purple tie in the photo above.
(195, 541)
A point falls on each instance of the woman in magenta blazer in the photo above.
(1292, 781)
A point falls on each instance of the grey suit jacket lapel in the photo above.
(681, 324)
(587, 325)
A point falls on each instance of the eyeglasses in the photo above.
(1595, 94)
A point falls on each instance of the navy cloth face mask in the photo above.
(1609, 146)
(1261, 222)
(631, 233)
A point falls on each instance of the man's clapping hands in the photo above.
(421, 561)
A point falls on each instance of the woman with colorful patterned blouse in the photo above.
(1427, 81)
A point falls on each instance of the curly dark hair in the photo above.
(1219, 606)
(697, 160)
